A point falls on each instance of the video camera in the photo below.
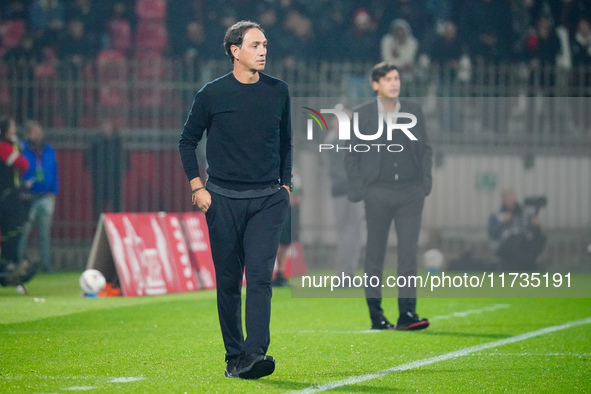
(537, 202)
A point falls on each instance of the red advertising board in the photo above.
(147, 252)
(198, 241)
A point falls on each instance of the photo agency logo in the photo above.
(343, 142)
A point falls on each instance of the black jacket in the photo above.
(364, 167)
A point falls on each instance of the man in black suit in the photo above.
(393, 183)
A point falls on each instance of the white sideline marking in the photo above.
(125, 380)
(580, 355)
(472, 312)
(443, 357)
(442, 317)
(80, 388)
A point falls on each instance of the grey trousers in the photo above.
(404, 206)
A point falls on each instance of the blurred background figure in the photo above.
(348, 215)
(12, 211)
(517, 233)
(106, 161)
(399, 47)
(42, 186)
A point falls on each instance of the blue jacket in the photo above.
(42, 171)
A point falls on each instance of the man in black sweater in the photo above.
(393, 186)
(247, 117)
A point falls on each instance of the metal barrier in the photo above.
(526, 129)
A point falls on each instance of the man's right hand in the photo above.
(202, 199)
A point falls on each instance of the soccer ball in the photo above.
(433, 260)
(92, 281)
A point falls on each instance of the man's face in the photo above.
(388, 85)
(35, 134)
(253, 52)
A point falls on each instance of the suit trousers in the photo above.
(244, 237)
(404, 206)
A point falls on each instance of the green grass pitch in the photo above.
(55, 341)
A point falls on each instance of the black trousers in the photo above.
(403, 205)
(244, 236)
(13, 216)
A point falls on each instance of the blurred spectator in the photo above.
(399, 47)
(76, 47)
(194, 50)
(415, 12)
(42, 12)
(51, 37)
(542, 45)
(14, 9)
(581, 44)
(517, 234)
(41, 182)
(119, 29)
(21, 61)
(448, 49)
(76, 51)
(90, 14)
(541, 49)
(330, 22)
(362, 45)
(522, 26)
(106, 161)
(12, 211)
(299, 38)
(486, 26)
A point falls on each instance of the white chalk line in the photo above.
(465, 313)
(447, 356)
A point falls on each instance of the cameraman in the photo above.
(517, 234)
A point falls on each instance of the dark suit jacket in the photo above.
(364, 167)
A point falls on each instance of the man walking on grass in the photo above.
(247, 117)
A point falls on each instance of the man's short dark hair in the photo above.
(235, 35)
(380, 70)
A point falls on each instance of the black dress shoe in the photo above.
(384, 324)
(255, 366)
(411, 321)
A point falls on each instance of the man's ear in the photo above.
(375, 86)
(234, 49)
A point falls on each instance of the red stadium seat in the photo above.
(120, 35)
(11, 32)
(151, 10)
(149, 66)
(113, 96)
(151, 36)
(112, 66)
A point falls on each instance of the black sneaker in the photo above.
(232, 365)
(382, 325)
(411, 321)
(256, 366)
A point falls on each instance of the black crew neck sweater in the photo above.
(248, 133)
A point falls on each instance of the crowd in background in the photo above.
(400, 31)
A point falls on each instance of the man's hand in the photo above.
(202, 199)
